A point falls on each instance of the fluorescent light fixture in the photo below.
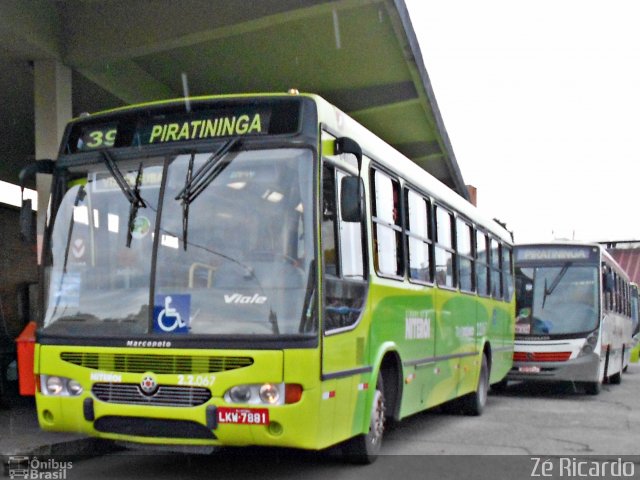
(272, 196)
(170, 241)
(113, 223)
(81, 215)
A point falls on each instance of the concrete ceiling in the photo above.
(362, 55)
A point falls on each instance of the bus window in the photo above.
(387, 225)
(496, 272)
(329, 216)
(507, 273)
(418, 237)
(482, 263)
(464, 236)
(444, 248)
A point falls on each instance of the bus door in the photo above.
(344, 299)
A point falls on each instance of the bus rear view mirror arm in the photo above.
(351, 188)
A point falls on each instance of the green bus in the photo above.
(260, 270)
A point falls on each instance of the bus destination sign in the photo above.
(555, 254)
(170, 128)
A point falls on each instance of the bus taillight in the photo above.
(293, 393)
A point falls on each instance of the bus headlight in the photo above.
(264, 394)
(60, 386)
(589, 345)
(53, 386)
(240, 394)
(269, 394)
(74, 388)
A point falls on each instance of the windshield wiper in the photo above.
(133, 207)
(197, 182)
(79, 198)
(132, 194)
(308, 306)
(556, 281)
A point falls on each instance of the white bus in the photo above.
(573, 306)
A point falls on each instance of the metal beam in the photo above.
(127, 81)
(108, 43)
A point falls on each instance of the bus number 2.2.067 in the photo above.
(196, 380)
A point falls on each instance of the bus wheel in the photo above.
(592, 388)
(365, 448)
(501, 386)
(616, 378)
(473, 403)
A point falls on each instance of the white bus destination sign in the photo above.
(554, 254)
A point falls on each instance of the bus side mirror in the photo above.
(351, 188)
(608, 282)
(27, 224)
(351, 199)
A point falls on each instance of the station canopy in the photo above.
(361, 55)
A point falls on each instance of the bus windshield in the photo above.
(556, 300)
(233, 252)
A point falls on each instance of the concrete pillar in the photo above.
(52, 100)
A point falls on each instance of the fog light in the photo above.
(275, 428)
(269, 394)
(47, 416)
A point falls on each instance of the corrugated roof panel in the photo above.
(629, 260)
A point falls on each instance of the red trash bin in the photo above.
(25, 344)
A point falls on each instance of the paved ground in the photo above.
(21, 435)
(524, 420)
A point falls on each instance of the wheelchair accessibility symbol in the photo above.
(171, 313)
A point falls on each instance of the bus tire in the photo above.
(364, 449)
(501, 386)
(616, 378)
(592, 388)
(473, 403)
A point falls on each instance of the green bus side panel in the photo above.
(347, 394)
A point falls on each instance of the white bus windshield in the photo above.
(243, 269)
(556, 300)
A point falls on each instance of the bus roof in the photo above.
(372, 146)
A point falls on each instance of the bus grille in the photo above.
(165, 396)
(541, 356)
(167, 364)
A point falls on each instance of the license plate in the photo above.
(243, 416)
(529, 369)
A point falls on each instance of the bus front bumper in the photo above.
(582, 369)
(287, 425)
